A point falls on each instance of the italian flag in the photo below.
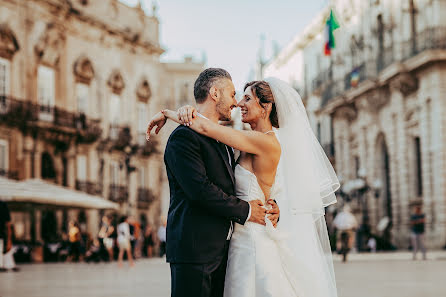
(331, 25)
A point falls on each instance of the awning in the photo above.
(42, 192)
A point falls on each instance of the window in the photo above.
(81, 168)
(142, 177)
(82, 98)
(4, 157)
(418, 168)
(45, 92)
(114, 116)
(114, 173)
(4, 77)
(142, 122)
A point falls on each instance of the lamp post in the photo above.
(358, 188)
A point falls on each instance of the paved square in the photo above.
(388, 275)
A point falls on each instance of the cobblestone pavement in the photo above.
(379, 275)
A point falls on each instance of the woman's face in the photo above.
(250, 107)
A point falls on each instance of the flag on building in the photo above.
(354, 78)
(331, 25)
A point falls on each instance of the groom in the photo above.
(203, 206)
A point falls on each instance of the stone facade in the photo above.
(377, 105)
(79, 81)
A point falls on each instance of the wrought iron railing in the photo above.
(89, 187)
(145, 197)
(26, 114)
(429, 39)
(118, 193)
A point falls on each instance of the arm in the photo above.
(185, 163)
(247, 141)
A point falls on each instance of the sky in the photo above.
(227, 33)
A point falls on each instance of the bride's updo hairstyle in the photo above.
(262, 91)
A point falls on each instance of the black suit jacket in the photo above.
(202, 198)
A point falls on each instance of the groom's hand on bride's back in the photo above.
(258, 212)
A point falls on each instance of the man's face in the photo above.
(227, 100)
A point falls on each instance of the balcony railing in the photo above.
(89, 187)
(27, 115)
(429, 39)
(145, 147)
(145, 198)
(118, 193)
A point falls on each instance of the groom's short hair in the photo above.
(205, 81)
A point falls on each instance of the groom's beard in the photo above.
(224, 112)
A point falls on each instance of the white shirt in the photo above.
(231, 229)
(123, 231)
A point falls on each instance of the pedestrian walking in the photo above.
(6, 249)
(74, 237)
(162, 238)
(106, 237)
(149, 241)
(124, 241)
(417, 223)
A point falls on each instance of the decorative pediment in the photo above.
(116, 82)
(8, 43)
(50, 45)
(83, 70)
(346, 112)
(143, 90)
(405, 83)
(374, 100)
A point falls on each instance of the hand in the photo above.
(274, 212)
(258, 212)
(186, 114)
(158, 121)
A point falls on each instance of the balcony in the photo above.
(118, 193)
(145, 198)
(119, 137)
(429, 39)
(147, 148)
(57, 124)
(89, 187)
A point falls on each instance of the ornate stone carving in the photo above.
(143, 90)
(405, 83)
(50, 45)
(374, 100)
(83, 70)
(8, 43)
(346, 112)
(116, 82)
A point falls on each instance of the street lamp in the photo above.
(358, 188)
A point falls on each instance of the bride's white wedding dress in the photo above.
(254, 261)
(294, 259)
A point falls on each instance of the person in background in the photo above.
(105, 236)
(417, 223)
(6, 249)
(74, 236)
(124, 241)
(162, 238)
(149, 241)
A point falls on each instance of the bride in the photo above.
(280, 159)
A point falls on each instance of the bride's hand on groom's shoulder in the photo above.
(186, 114)
(158, 121)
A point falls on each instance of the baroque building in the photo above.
(79, 81)
(377, 106)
